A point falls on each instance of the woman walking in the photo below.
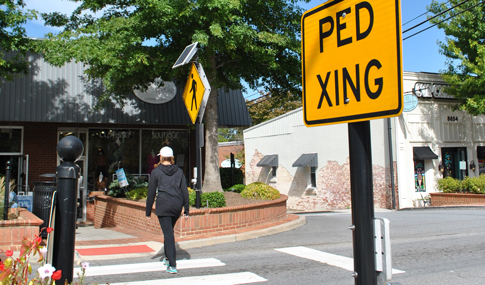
(172, 197)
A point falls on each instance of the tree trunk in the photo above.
(212, 176)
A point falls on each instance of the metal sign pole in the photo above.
(361, 187)
(199, 143)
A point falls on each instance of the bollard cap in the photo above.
(70, 149)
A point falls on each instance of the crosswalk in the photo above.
(214, 279)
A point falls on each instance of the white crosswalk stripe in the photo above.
(147, 267)
(324, 257)
(216, 279)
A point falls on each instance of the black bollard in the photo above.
(69, 150)
(7, 191)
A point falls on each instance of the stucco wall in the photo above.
(333, 173)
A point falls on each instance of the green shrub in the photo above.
(133, 183)
(226, 177)
(475, 184)
(449, 185)
(137, 194)
(260, 191)
(213, 199)
(238, 188)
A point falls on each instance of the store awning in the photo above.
(268, 161)
(423, 153)
(306, 160)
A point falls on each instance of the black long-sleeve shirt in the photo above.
(172, 193)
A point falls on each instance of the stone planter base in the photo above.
(451, 199)
(12, 232)
(116, 212)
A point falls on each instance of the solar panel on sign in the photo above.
(186, 55)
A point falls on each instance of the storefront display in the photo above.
(134, 150)
(419, 176)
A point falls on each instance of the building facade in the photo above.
(39, 109)
(434, 141)
(427, 142)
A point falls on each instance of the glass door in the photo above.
(455, 162)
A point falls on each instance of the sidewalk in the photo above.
(114, 243)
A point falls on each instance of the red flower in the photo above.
(2, 267)
(38, 239)
(56, 275)
(9, 253)
(49, 230)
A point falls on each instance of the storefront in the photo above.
(433, 140)
(38, 110)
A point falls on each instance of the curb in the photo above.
(243, 236)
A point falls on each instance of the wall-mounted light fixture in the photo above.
(441, 167)
(472, 165)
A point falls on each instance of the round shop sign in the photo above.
(156, 94)
(410, 102)
(227, 163)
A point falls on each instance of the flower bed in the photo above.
(112, 212)
(13, 231)
(451, 199)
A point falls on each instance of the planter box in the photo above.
(12, 232)
(451, 199)
(114, 212)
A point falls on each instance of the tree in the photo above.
(13, 38)
(464, 48)
(254, 41)
(230, 134)
(270, 106)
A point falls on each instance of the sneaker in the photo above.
(166, 262)
(172, 270)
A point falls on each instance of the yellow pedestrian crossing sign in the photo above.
(196, 92)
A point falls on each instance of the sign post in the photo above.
(195, 96)
(352, 73)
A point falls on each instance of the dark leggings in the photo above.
(168, 223)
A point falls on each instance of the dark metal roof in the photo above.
(307, 160)
(232, 109)
(268, 161)
(423, 153)
(61, 94)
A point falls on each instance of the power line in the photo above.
(417, 17)
(452, 16)
(435, 16)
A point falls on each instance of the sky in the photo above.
(420, 52)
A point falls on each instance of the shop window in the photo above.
(153, 140)
(10, 140)
(419, 176)
(454, 162)
(111, 149)
(313, 177)
(481, 159)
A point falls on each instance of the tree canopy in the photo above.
(14, 38)
(251, 40)
(464, 48)
(270, 106)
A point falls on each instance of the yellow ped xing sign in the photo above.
(196, 92)
(351, 61)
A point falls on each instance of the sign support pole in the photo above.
(362, 196)
(199, 143)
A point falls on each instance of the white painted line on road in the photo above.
(217, 279)
(147, 267)
(346, 263)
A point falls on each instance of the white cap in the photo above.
(166, 151)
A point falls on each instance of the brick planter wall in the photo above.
(12, 232)
(450, 199)
(113, 212)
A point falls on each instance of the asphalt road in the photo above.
(431, 246)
